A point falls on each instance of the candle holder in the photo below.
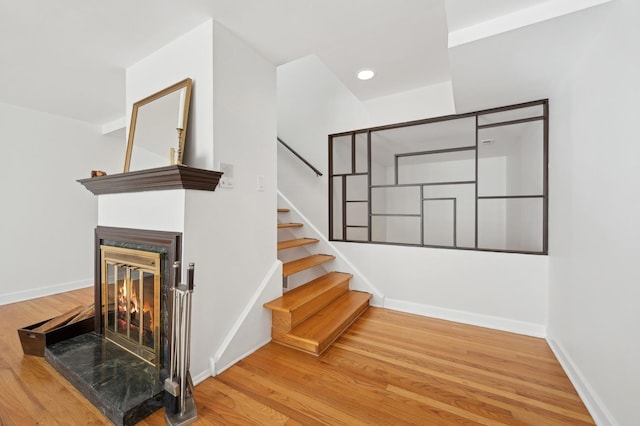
(179, 130)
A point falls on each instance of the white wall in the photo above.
(189, 56)
(594, 209)
(47, 217)
(430, 101)
(499, 290)
(230, 234)
(506, 291)
(151, 210)
(312, 103)
(240, 228)
(524, 220)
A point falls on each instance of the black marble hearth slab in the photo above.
(122, 386)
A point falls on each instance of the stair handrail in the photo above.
(317, 172)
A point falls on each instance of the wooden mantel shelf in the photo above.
(161, 178)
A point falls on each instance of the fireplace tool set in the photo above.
(179, 405)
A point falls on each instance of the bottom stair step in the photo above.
(302, 302)
(317, 333)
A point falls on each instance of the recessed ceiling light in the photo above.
(366, 74)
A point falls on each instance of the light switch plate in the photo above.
(226, 181)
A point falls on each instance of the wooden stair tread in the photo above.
(318, 332)
(297, 297)
(283, 210)
(298, 265)
(299, 242)
(289, 225)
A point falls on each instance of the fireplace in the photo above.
(132, 287)
(118, 367)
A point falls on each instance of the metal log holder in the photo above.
(180, 407)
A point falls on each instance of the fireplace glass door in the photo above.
(131, 300)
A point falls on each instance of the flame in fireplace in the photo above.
(140, 319)
(132, 280)
(131, 307)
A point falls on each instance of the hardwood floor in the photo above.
(389, 368)
(33, 393)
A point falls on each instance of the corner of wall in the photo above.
(592, 401)
(236, 344)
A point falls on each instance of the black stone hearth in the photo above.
(123, 387)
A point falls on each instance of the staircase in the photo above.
(313, 315)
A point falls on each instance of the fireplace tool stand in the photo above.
(179, 405)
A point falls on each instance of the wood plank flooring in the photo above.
(389, 368)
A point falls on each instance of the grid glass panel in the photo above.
(361, 153)
(357, 188)
(396, 200)
(474, 181)
(465, 210)
(357, 214)
(357, 234)
(342, 155)
(510, 160)
(439, 225)
(457, 166)
(510, 115)
(513, 224)
(415, 139)
(397, 229)
(336, 214)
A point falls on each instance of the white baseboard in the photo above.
(601, 415)
(201, 377)
(34, 293)
(496, 323)
(216, 368)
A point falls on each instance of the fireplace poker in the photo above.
(171, 387)
(187, 330)
(180, 408)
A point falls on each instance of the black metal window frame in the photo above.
(544, 103)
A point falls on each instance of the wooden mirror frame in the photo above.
(184, 84)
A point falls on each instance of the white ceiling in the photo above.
(68, 57)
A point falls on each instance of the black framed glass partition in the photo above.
(475, 181)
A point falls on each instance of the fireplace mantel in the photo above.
(161, 178)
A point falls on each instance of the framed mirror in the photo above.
(158, 128)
